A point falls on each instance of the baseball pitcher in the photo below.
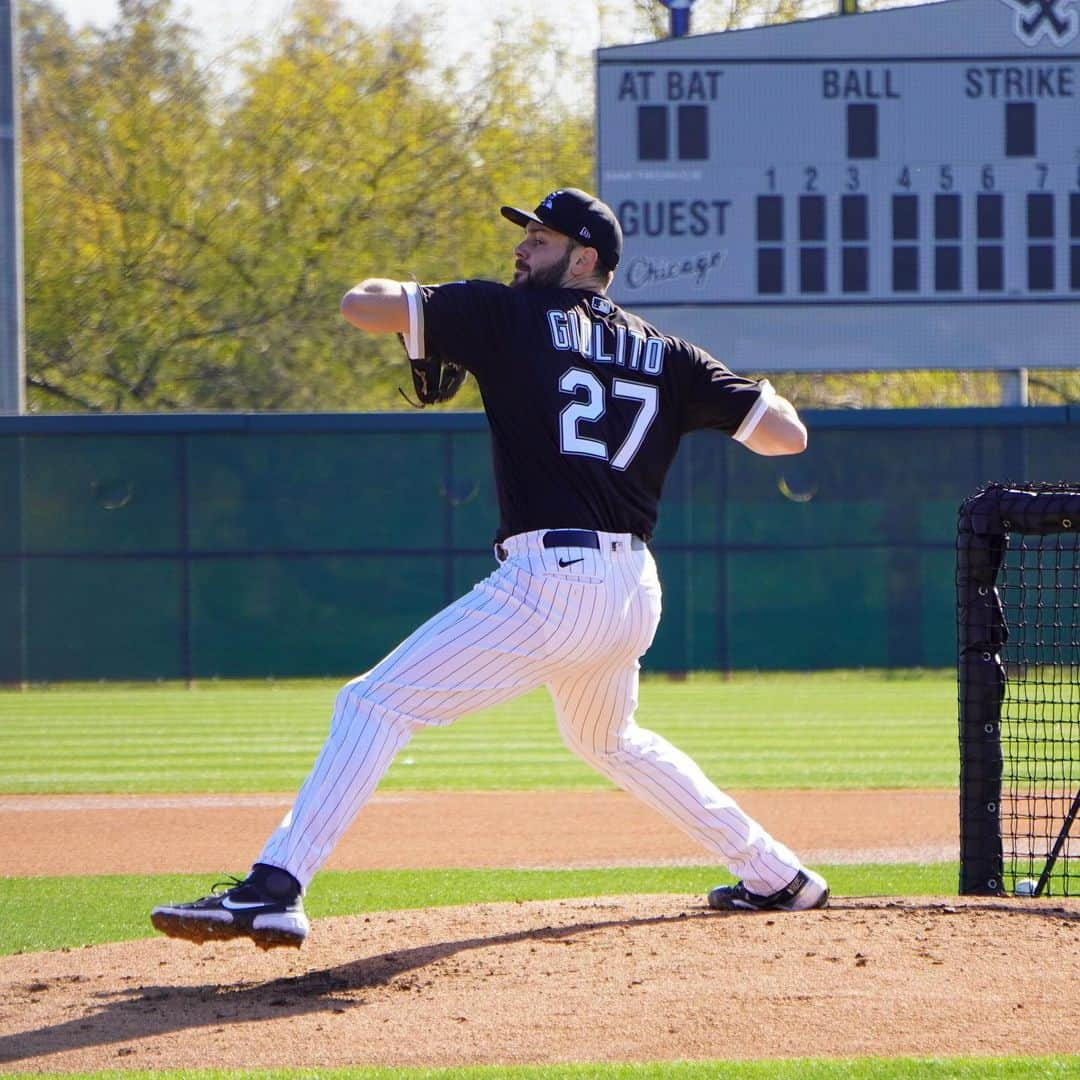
(586, 404)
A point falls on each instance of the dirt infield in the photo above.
(609, 979)
(120, 834)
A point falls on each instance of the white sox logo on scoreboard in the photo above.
(1056, 20)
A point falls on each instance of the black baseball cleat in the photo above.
(266, 906)
(805, 892)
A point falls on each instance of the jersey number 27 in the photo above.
(593, 408)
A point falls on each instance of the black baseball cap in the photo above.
(580, 216)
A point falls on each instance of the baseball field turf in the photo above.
(837, 730)
(818, 730)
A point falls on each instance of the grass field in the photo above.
(817, 730)
(52, 913)
(822, 730)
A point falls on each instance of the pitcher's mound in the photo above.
(639, 978)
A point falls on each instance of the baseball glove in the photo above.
(435, 379)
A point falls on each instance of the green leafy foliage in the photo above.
(187, 249)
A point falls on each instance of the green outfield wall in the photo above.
(235, 545)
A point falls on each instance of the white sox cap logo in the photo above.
(578, 215)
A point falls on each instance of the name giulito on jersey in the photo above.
(574, 331)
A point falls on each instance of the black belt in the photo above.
(581, 538)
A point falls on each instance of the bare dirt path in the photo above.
(97, 834)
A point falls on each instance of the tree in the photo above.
(352, 154)
(116, 137)
(190, 252)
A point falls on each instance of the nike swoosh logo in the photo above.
(240, 905)
(569, 562)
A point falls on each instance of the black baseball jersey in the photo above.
(586, 402)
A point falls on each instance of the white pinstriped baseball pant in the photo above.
(578, 630)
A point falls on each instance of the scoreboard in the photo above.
(893, 189)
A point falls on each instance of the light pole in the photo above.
(12, 360)
(680, 16)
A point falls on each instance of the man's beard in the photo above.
(549, 277)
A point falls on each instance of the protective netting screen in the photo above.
(1019, 630)
(1040, 711)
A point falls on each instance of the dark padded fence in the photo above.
(188, 547)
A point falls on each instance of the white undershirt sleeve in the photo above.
(753, 417)
(414, 339)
